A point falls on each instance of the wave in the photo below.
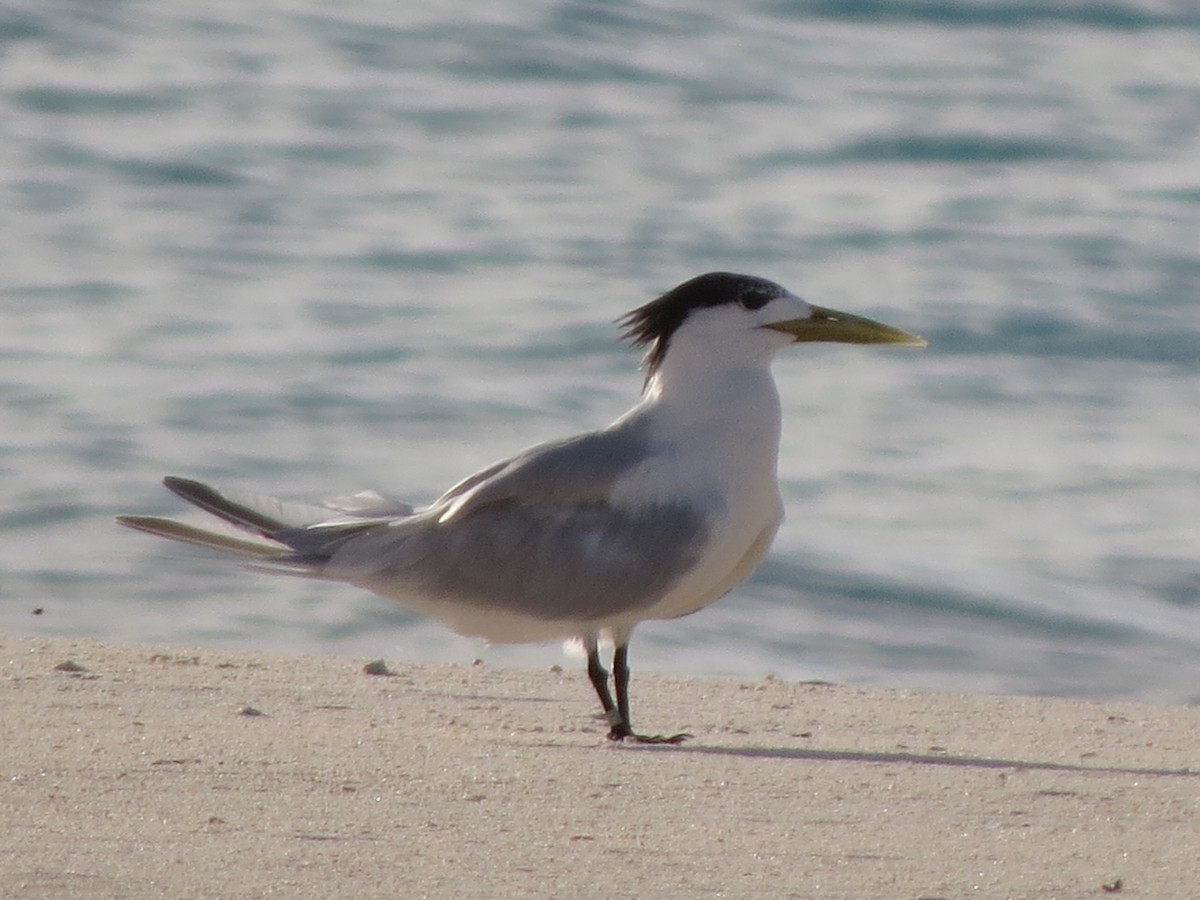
(1109, 16)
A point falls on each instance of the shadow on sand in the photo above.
(925, 759)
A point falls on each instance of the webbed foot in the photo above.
(624, 733)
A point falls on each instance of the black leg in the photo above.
(621, 728)
(598, 675)
(621, 683)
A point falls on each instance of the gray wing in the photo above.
(574, 470)
(533, 535)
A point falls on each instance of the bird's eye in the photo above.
(754, 300)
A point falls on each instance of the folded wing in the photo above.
(535, 536)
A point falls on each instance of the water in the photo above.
(310, 250)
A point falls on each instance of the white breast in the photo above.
(718, 449)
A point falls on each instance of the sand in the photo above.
(171, 772)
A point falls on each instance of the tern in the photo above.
(656, 516)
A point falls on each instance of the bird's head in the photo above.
(741, 314)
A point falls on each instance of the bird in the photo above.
(653, 517)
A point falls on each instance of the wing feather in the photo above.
(536, 536)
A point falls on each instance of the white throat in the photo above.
(716, 423)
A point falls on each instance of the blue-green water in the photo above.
(309, 249)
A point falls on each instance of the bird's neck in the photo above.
(733, 403)
(713, 436)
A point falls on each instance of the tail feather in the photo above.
(190, 534)
(293, 537)
(264, 516)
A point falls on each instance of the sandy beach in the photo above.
(139, 771)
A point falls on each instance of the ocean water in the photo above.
(308, 249)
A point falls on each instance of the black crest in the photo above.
(654, 324)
